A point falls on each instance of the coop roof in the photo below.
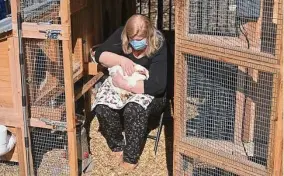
(5, 25)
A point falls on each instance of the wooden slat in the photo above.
(6, 95)
(33, 30)
(82, 90)
(37, 123)
(20, 150)
(275, 11)
(47, 112)
(196, 49)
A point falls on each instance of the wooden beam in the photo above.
(69, 89)
(190, 48)
(82, 90)
(208, 43)
(36, 31)
(91, 68)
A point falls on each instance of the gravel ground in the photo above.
(149, 165)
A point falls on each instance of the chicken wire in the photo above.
(45, 77)
(41, 11)
(234, 24)
(229, 106)
(49, 152)
(194, 167)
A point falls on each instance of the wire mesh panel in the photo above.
(44, 62)
(50, 152)
(229, 110)
(249, 26)
(41, 11)
(194, 167)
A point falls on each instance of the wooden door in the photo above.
(228, 87)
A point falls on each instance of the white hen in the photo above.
(140, 74)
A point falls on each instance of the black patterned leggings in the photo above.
(134, 121)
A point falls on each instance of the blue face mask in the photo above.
(138, 45)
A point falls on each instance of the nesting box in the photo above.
(228, 87)
(56, 39)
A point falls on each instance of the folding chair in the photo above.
(158, 134)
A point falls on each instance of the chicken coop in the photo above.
(228, 78)
(228, 87)
(44, 71)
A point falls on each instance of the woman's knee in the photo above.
(132, 109)
(101, 109)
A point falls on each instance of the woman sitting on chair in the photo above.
(138, 42)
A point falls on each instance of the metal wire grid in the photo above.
(229, 107)
(9, 168)
(150, 9)
(45, 77)
(41, 11)
(193, 167)
(233, 24)
(50, 152)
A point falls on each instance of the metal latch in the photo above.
(52, 34)
(57, 125)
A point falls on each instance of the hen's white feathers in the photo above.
(131, 80)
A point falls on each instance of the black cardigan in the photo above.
(156, 64)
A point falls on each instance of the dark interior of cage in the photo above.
(236, 23)
(50, 149)
(193, 167)
(44, 65)
(41, 11)
(211, 116)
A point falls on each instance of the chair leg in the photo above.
(158, 133)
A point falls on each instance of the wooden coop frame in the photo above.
(75, 76)
(215, 48)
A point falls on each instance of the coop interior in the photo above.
(228, 105)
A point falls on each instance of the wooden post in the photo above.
(240, 100)
(278, 139)
(69, 88)
(23, 159)
(249, 112)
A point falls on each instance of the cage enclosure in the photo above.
(56, 38)
(228, 87)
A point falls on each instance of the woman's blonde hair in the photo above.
(140, 25)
